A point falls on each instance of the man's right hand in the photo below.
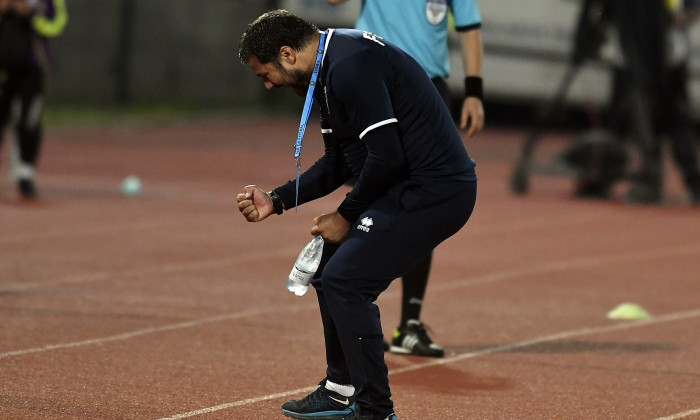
(254, 203)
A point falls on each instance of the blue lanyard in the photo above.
(307, 111)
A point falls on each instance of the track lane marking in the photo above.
(565, 264)
(676, 316)
(572, 263)
(150, 271)
(488, 278)
(680, 415)
(164, 328)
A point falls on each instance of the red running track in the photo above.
(170, 305)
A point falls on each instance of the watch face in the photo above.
(435, 11)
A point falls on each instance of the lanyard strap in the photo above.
(307, 111)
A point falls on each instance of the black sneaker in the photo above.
(26, 188)
(413, 339)
(322, 404)
(356, 415)
(644, 194)
(694, 191)
(385, 345)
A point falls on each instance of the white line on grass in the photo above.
(491, 350)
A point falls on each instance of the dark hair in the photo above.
(270, 32)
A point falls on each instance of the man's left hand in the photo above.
(332, 227)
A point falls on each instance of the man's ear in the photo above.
(288, 55)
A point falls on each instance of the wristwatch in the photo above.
(276, 202)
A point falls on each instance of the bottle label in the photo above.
(300, 277)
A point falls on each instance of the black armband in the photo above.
(277, 203)
(474, 86)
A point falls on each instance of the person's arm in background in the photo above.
(472, 108)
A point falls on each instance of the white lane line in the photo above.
(561, 265)
(147, 222)
(489, 278)
(676, 316)
(94, 229)
(680, 415)
(112, 275)
(165, 328)
(150, 271)
(572, 263)
(240, 403)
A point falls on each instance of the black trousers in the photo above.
(671, 115)
(384, 243)
(24, 86)
(676, 119)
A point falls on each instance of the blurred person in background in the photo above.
(675, 111)
(649, 100)
(25, 26)
(420, 28)
(651, 90)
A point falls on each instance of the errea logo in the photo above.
(365, 224)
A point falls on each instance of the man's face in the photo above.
(278, 75)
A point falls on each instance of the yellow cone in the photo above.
(628, 310)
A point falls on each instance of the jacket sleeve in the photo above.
(326, 175)
(384, 166)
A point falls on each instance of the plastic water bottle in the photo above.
(305, 267)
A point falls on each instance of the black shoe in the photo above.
(26, 188)
(322, 404)
(644, 194)
(413, 339)
(694, 191)
(597, 190)
(695, 197)
(647, 186)
(356, 415)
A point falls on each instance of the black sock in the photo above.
(414, 284)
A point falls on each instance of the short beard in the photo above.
(298, 80)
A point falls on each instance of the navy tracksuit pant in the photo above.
(389, 238)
